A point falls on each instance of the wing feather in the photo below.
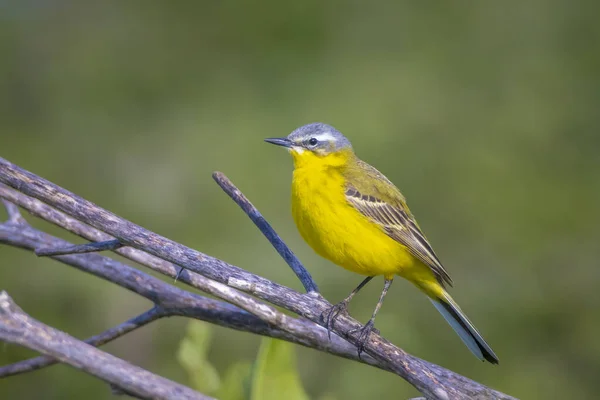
(398, 224)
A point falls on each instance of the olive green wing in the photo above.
(373, 195)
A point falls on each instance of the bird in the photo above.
(352, 215)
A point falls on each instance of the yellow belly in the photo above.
(340, 233)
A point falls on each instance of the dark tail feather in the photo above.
(464, 328)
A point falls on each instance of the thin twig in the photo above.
(267, 230)
(80, 248)
(14, 216)
(19, 328)
(109, 335)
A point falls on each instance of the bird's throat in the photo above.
(311, 160)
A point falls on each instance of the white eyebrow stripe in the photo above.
(325, 136)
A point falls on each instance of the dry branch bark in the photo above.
(220, 278)
(168, 299)
(19, 328)
(132, 324)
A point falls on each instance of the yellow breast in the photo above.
(333, 228)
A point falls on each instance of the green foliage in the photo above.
(192, 355)
(236, 382)
(272, 376)
(275, 375)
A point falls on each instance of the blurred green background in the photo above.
(485, 114)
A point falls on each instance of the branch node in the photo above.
(14, 215)
(178, 274)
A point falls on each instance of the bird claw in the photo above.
(331, 315)
(363, 335)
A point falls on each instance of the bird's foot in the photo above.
(363, 335)
(331, 315)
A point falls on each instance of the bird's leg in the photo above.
(365, 331)
(341, 307)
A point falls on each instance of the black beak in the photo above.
(285, 142)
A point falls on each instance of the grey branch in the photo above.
(19, 328)
(206, 273)
(169, 300)
(109, 335)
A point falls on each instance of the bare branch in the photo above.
(19, 328)
(170, 301)
(433, 381)
(43, 211)
(107, 336)
(265, 312)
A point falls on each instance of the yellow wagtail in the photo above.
(352, 215)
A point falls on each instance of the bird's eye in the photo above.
(313, 141)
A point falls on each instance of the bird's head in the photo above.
(316, 143)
